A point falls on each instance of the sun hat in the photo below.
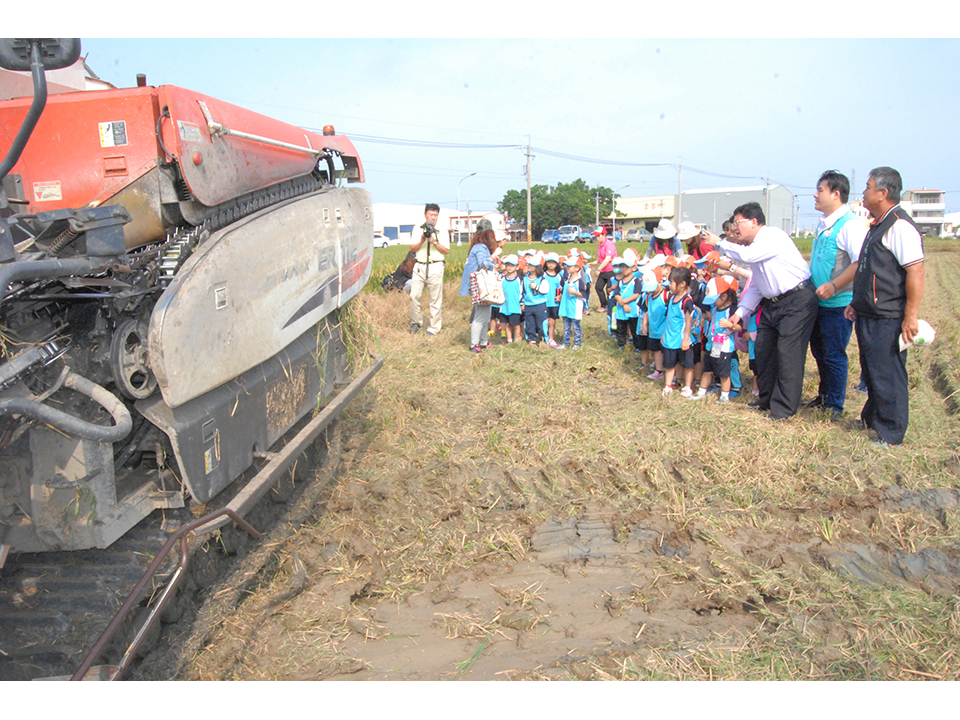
(551, 256)
(665, 229)
(510, 260)
(571, 262)
(658, 260)
(687, 230)
(618, 261)
(484, 224)
(630, 257)
(536, 258)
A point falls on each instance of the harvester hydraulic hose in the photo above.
(36, 109)
(50, 269)
(75, 427)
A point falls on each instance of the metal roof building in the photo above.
(708, 208)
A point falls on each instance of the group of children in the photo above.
(675, 311)
(540, 289)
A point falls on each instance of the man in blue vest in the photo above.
(887, 290)
(833, 263)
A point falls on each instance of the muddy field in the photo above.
(538, 515)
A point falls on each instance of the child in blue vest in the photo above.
(552, 275)
(572, 302)
(626, 293)
(648, 283)
(511, 316)
(617, 265)
(535, 289)
(655, 318)
(678, 339)
(721, 293)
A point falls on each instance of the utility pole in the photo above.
(529, 201)
(598, 206)
(766, 192)
(680, 195)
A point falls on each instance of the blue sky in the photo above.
(626, 111)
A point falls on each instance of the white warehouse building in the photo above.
(402, 223)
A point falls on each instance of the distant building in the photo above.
(402, 222)
(860, 211)
(707, 208)
(926, 208)
(951, 224)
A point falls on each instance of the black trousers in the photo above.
(783, 336)
(625, 326)
(603, 280)
(884, 369)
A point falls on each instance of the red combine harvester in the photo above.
(171, 272)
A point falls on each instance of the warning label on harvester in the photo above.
(113, 134)
(47, 191)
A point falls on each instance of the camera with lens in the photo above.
(428, 230)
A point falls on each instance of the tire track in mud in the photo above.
(942, 276)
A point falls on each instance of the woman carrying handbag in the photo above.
(483, 243)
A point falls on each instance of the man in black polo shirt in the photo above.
(887, 290)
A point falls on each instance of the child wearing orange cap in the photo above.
(720, 343)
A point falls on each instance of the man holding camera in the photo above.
(430, 252)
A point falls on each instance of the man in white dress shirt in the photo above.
(782, 288)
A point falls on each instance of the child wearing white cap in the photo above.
(655, 320)
(572, 300)
(535, 290)
(511, 315)
(551, 273)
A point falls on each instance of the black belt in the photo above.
(432, 262)
(791, 291)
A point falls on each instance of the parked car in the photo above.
(638, 235)
(550, 236)
(569, 233)
(381, 241)
(586, 234)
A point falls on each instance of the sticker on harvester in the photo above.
(190, 132)
(113, 134)
(47, 191)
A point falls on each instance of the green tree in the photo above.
(572, 203)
